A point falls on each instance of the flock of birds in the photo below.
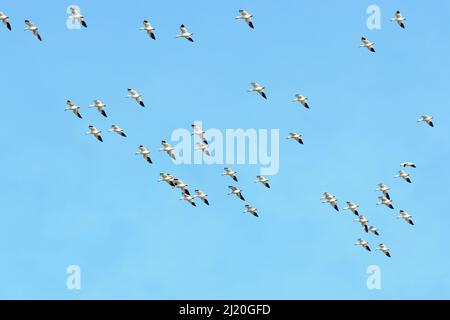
(202, 144)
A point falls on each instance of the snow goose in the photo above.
(297, 137)
(427, 119)
(387, 202)
(251, 210)
(76, 15)
(117, 129)
(247, 17)
(363, 221)
(149, 29)
(382, 247)
(184, 33)
(31, 27)
(188, 198)
(202, 196)
(236, 192)
(181, 185)
(5, 19)
(257, 88)
(374, 230)
(203, 148)
(199, 132)
(145, 153)
(95, 132)
(367, 44)
(75, 109)
(329, 198)
(229, 172)
(168, 178)
(399, 19)
(302, 99)
(100, 107)
(385, 189)
(353, 207)
(263, 180)
(136, 96)
(405, 176)
(408, 164)
(168, 148)
(363, 243)
(406, 216)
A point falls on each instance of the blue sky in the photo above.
(70, 200)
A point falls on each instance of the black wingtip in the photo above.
(391, 206)
(206, 201)
(84, 24)
(190, 39)
(39, 37)
(372, 49)
(152, 35)
(387, 196)
(408, 180)
(431, 124)
(104, 114)
(366, 229)
(336, 208)
(388, 254)
(123, 134)
(306, 106)
(250, 24)
(411, 223)
(263, 95)
(368, 249)
(142, 103)
(149, 160)
(100, 138)
(356, 213)
(376, 233)
(267, 186)
(235, 179)
(8, 25)
(79, 116)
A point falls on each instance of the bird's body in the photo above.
(406, 217)
(75, 109)
(367, 44)
(383, 248)
(374, 230)
(95, 132)
(149, 29)
(197, 130)
(251, 210)
(404, 175)
(31, 27)
(168, 148)
(408, 164)
(203, 148)
(363, 243)
(353, 207)
(100, 107)
(202, 196)
(168, 178)
(426, 118)
(187, 197)
(399, 19)
(5, 19)
(247, 17)
(387, 202)
(363, 221)
(184, 33)
(263, 181)
(145, 153)
(255, 87)
(302, 99)
(236, 192)
(118, 130)
(132, 94)
(329, 198)
(181, 185)
(297, 137)
(76, 15)
(231, 173)
(384, 189)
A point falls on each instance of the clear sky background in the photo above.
(67, 199)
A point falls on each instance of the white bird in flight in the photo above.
(149, 29)
(145, 153)
(367, 44)
(5, 19)
(385, 189)
(387, 202)
(136, 96)
(199, 132)
(236, 192)
(408, 164)
(382, 247)
(231, 173)
(188, 198)
(203, 148)
(257, 88)
(297, 137)
(427, 119)
(31, 27)
(405, 176)
(100, 107)
(251, 210)
(184, 33)
(363, 243)
(118, 130)
(353, 207)
(168, 148)
(247, 17)
(363, 221)
(406, 216)
(75, 109)
(202, 196)
(399, 19)
(302, 99)
(374, 230)
(95, 132)
(168, 178)
(181, 185)
(76, 15)
(329, 198)
(263, 180)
